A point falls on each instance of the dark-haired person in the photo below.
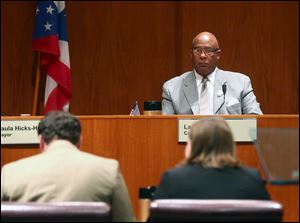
(64, 173)
(208, 90)
(210, 169)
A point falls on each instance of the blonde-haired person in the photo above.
(210, 169)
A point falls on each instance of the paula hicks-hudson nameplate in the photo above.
(243, 129)
(19, 132)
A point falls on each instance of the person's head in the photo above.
(211, 144)
(205, 53)
(59, 125)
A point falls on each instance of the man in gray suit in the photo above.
(208, 90)
(64, 173)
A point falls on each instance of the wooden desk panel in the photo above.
(146, 146)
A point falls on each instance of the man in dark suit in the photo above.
(64, 173)
(210, 169)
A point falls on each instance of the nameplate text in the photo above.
(243, 130)
(19, 132)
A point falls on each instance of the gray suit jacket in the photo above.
(64, 173)
(180, 95)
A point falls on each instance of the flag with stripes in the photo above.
(135, 110)
(50, 39)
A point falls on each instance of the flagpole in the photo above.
(36, 87)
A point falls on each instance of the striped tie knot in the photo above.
(204, 84)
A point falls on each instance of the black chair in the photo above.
(180, 210)
(55, 211)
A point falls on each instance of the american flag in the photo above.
(50, 39)
(135, 110)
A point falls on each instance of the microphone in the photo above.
(224, 88)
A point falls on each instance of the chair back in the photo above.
(55, 211)
(182, 210)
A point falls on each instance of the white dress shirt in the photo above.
(208, 110)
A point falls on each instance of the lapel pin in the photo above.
(219, 93)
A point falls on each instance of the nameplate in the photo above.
(19, 132)
(243, 130)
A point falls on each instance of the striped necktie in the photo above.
(204, 99)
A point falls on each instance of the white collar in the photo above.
(211, 76)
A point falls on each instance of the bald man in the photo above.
(208, 90)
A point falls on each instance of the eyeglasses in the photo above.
(207, 51)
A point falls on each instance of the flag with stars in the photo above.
(50, 39)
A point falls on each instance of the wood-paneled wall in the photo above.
(124, 51)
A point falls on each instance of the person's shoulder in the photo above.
(251, 171)
(178, 78)
(103, 161)
(21, 163)
(184, 169)
(233, 74)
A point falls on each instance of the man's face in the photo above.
(205, 54)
